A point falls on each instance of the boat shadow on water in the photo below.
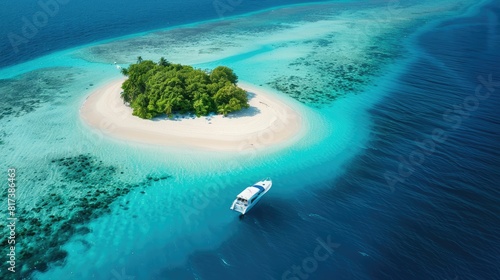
(271, 212)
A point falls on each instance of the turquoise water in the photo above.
(156, 209)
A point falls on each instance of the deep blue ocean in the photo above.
(440, 220)
(422, 201)
(70, 23)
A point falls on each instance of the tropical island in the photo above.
(123, 107)
(154, 89)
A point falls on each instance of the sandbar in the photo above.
(269, 121)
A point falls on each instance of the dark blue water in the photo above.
(29, 29)
(402, 210)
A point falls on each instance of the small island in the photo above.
(112, 109)
(154, 89)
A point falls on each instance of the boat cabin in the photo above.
(249, 194)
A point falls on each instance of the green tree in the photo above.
(124, 71)
(221, 74)
(163, 62)
(224, 109)
(226, 93)
(154, 89)
(202, 105)
(137, 78)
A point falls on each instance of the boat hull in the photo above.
(238, 206)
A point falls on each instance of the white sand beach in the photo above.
(268, 121)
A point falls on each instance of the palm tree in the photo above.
(168, 109)
(224, 109)
(139, 59)
(124, 71)
(163, 62)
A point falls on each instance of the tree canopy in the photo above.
(154, 89)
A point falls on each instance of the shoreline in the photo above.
(268, 122)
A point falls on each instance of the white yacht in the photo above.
(251, 195)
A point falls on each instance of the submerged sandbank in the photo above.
(268, 121)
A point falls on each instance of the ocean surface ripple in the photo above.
(440, 219)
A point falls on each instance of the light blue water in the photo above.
(163, 214)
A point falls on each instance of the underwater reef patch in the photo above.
(24, 94)
(326, 73)
(81, 189)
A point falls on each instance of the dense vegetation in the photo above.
(154, 89)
